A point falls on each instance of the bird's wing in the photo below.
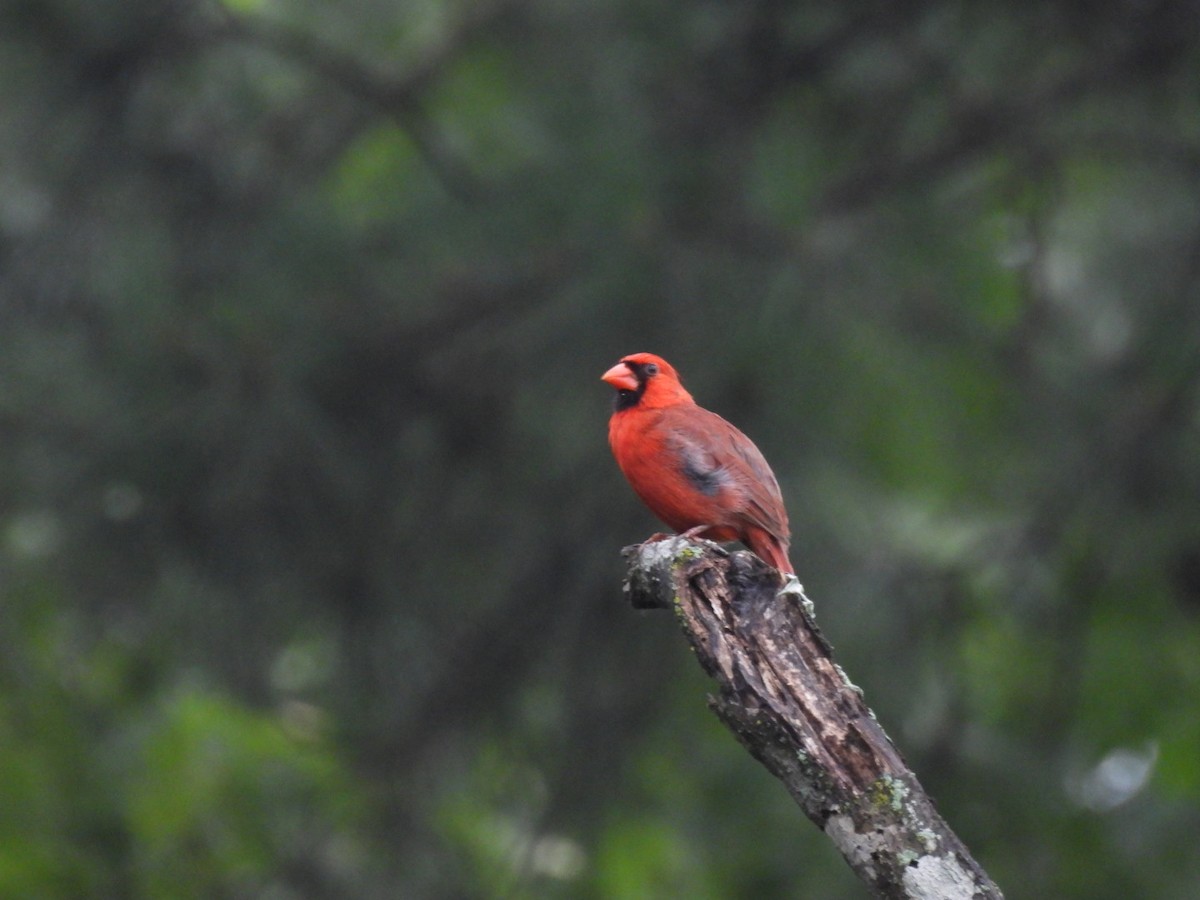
(715, 455)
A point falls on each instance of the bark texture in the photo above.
(794, 709)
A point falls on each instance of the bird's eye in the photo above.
(651, 368)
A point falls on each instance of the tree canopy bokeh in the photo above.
(309, 532)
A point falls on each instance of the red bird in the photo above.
(695, 471)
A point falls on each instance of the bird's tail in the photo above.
(771, 550)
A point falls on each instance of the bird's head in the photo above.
(645, 380)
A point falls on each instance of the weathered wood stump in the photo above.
(796, 711)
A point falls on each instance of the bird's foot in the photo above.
(692, 534)
(696, 534)
(657, 536)
(689, 535)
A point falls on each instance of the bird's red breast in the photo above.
(690, 466)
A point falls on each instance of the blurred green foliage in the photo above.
(309, 572)
(120, 782)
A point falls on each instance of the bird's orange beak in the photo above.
(620, 377)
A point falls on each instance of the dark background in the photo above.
(309, 533)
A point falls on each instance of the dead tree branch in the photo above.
(794, 709)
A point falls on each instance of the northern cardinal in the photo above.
(695, 471)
